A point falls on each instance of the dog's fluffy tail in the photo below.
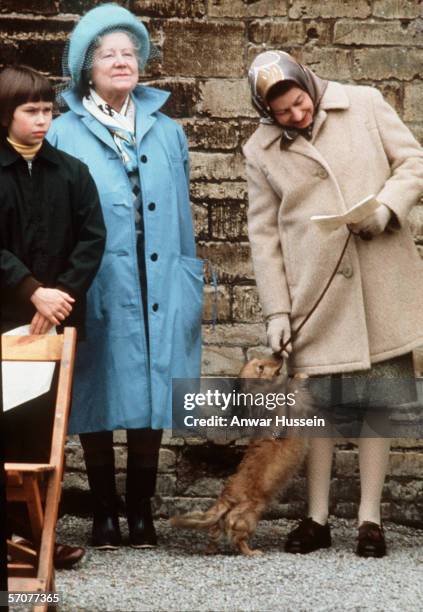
(201, 520)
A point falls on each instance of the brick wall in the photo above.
(206, 47)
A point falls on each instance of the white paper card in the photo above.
(25, 380)
(357, 213)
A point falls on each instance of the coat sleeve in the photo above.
(185, 213)
(266, 248)
(15, 275)
(85, 258)
(405, 186)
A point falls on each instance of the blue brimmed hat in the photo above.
(107, 17)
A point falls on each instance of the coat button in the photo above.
(155, 307)
(143, 158)
(152, 206)
(154, 257)
(347, 271)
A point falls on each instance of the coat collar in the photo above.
(148, 100)
(9, 156)
(334, 98)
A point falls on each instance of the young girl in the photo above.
(52, 238)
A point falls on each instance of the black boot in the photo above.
(100, 462)
(106, 532)
(143, 458)
(142, 533)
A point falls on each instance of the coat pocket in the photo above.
(191, 297)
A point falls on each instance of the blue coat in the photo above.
(118, 382)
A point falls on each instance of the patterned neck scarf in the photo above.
(121, 125)
(272, 67)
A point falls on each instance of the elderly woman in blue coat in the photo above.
(144, 307)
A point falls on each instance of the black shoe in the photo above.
(142, 533)
(308, 536)
(371, 540)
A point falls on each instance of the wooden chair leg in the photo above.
(34, 505)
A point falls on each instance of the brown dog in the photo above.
(266, 469)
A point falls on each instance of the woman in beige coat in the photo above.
(321, 147)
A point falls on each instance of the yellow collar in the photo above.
(28, 152)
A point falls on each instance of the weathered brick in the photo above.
(121, 454)
(346, 463)
(222, 361)
(166, 484)
(76, 480)
(216, 166)
(413, 102)
(326, 62)
(402, 443)
(246, 305)
(43, 7)
(226, 98)
(404, 491)
(378, 64)
(167, 460)
(248, 334)
(8, 52)
(406, 464)
(169, 8)
(219, 191)
(241, 8)
(410, 514)
(44, 56)
(274, 33)
(210, 135)
(223, 303)
(397, 9)
(80, 7)
(377, 33)
(301, 9)
(74, 457)
(184, 95)
(201, 221)
(231, 261)
(203, 49)
(35, 28)
(228, 221)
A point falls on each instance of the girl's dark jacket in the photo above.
(52, 231)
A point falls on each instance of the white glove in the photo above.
(278, 332)
(373, 224)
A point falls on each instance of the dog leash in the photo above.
(295, 333)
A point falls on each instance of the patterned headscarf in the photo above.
(272, 67)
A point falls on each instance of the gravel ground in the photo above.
(179, 576)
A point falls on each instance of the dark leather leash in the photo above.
(295, 333)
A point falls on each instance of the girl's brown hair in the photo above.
(19, 85)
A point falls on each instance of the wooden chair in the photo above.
(30, 568)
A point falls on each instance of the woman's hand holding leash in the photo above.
(278, 332)
(373, 224)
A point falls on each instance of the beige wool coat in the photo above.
(373, 309)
